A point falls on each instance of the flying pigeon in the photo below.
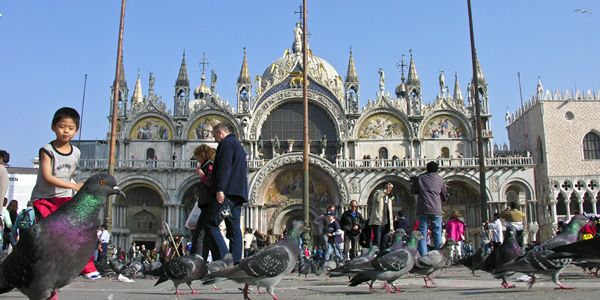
(181, 269)
(346, 269)
(536, 261)
(473, 260)
(388, 265)
(506, 253)
(433, 261)
(51, 253)
(583, 11)
(266, 267)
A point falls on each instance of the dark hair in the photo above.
(512, 205)
(432, 166)
(66, 112)
(400, 214)
(496, 215)
(103, 226)
(5, 156)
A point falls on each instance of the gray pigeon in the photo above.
(220, 264)
(346, 269)
(181, 269)
(433, 261)
(586, 250)
(473, 260)
(388, 265)
(266, 267)
(537, 261)
(46, 257)
(506, 253)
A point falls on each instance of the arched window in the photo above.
(445, 152)
(383, 153)
(150, 153)
(540, 149)
(591, 146)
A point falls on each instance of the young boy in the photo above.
(58, 161)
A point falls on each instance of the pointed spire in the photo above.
(137, 92)
(457, 93)
(413, 78)
(244, 74)
(480, 78)
(122, 80)
(182, 79)
(351, 76)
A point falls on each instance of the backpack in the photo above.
(24, 220)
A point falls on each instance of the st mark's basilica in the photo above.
(354, 149)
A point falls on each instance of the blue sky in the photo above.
(49, 46)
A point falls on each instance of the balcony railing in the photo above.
(153, 164)
(444, 163)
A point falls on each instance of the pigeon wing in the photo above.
(267, 263)
(179, 268)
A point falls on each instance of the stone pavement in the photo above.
(457, 283)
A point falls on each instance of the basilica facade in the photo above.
(354, 149)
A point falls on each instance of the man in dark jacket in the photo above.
(230, 188)
(432, 191)
(352, 223)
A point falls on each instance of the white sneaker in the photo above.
(124, 279)
(92, 276)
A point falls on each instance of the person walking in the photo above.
(103, 238)
(432, 191)
(205, 155)
(323, 220)
(230, 187)
(381, 219)
(352, 223)
(455, 229)
(334, 238)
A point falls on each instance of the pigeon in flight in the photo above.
(537, 261)
(583, 11)
(266, 267)
(181, 269)
(51, 253)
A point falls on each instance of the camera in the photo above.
(225, 210)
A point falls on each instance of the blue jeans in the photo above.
(436, 232)
(332, 247)
(381, 235)
(234, 233)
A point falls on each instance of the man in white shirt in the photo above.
(103, 239)
(497, 235)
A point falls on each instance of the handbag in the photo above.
(192, 219)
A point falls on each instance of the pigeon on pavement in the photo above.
(506, 253)
(220, 264)
(537, 261)
(587, 250)
(473, 260)
(181, 269)
(51, 253)
(433, 261)
(388, 266)
(266, 267)
(346, 269)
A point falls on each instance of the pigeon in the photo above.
(506, 253)
(346, 269)
(51, 253)
(181, 269)
(473, 260)
(388, 265)
(537, 261)
(433, 261)
(587, 250)
(220, 264)
(266, 267)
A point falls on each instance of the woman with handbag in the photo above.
(205, 156)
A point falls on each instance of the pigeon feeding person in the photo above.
(266, 267)
(39, 267)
